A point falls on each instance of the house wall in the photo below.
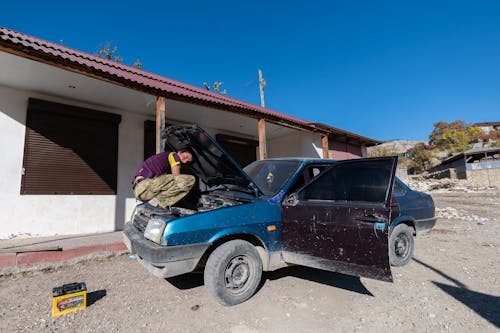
(455, 169)
(345, 151)
(295, 145)
(62, 214)
(364, 151)
(484, 177)
(485, 173)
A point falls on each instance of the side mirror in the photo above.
(292, 199)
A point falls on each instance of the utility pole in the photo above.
(262, 122)
(262, 84)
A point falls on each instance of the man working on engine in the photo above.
(159, 180)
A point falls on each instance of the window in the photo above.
(366, 181)
(69, 150)
(398, 190)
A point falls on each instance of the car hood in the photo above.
(211, 163)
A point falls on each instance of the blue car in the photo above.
(353, 217)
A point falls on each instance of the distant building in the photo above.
(480, 166)
(487, 127)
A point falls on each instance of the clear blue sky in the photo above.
(383, 69)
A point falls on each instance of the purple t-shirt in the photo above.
(158, 165)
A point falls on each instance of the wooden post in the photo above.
(324, 143)
(160, 123)
(262, 139)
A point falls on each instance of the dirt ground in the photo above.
(452, 285)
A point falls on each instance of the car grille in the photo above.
(140, 222)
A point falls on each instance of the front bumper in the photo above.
(163, 261)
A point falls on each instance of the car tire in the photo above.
(401, 245)
(233, 272)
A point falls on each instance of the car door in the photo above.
(340, 220)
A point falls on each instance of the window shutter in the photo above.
(69, 150)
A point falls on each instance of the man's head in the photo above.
(185, 155)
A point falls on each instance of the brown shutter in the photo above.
(69, 150)
(242, 150)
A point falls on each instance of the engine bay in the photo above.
(206, 202)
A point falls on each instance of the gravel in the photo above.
(452, 285)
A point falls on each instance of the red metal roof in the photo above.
(133, 74)
(57, 54)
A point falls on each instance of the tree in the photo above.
(491, 137)
(494, 136)
(216, 87)
(420, 157)
(453, 137)
(109, 53)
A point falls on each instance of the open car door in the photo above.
(340, 220)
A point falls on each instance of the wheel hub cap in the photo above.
(237, 272)
(401, 245)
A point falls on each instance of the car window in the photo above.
(365, 181)
(308, 173)
(315, 171)
(398, 189)
(271, 175)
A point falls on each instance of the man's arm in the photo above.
(176, 170)
(175, 164)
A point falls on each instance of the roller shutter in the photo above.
(69, 150)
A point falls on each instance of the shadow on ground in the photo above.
(346, 282)
(487, 306)
(187, 281)
(94, 296)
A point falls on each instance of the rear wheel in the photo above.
(401, 245)
(233, 272)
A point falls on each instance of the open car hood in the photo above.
(211, 163)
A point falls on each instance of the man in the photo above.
(159, 179)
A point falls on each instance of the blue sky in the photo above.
(382, 69)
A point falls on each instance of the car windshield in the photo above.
(271, 175)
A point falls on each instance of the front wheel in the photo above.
(401, 245)
(233, 272)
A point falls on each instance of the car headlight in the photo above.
(154, 230)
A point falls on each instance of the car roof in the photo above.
(302, 159)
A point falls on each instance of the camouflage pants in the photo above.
(166, 189)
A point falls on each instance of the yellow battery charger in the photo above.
(69, 298)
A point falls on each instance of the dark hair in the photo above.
(185, 148)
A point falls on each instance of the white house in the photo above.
(75, 127)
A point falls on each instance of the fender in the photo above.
(403, 219)
(241, 230)
(265, 254)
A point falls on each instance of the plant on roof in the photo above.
(109, 52)
(216, 87)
